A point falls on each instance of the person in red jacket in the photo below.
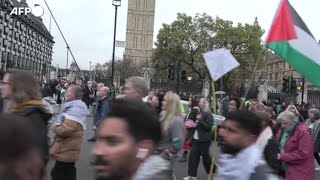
(296, 148)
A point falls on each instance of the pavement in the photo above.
(85, 170)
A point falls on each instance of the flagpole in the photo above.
(214, 107)
(215, 142)
(50, 24)
(214, 101)
(302, 93)
(211, 58)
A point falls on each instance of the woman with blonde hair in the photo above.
(172, 127)
(294, 110)
(172, 137)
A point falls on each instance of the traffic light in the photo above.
(183, 76)
(285, 85)
(293, 87)
(299, 87)
(171, 72)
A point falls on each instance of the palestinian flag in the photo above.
(291, 39)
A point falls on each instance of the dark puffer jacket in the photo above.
(39, 118)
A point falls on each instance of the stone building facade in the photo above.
(140, 29)
(72, 74)
(275, 71)
(25, 43)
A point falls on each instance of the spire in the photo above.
(256, 23)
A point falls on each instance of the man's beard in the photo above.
(117, 173)
(113, 177)
(229, 149)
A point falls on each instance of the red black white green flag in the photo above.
(291, 39)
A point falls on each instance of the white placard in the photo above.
(220, 62)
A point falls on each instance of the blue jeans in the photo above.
(97, 124)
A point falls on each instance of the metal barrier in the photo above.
(194, 88)
(314, 97)
(283, 97)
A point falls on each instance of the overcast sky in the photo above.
(88, 24)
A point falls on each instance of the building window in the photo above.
(276, 76)
(24, 62)
(28, 63)
(287, 66)
(15, 59)
(284, 73)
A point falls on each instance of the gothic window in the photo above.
(139, 41)
(276, 76)
(135, 22)
(146, 4)
(138, 4)
(135, 41)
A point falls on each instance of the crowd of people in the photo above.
(137, 140)
(289, 139)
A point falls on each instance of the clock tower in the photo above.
(140, 28)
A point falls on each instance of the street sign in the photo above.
(121, 44)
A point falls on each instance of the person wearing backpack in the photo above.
(266, 141)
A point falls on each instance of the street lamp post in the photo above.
(303, 84)
(67, 63)
(90, 73)
(116, 4)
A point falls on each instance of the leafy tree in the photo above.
(184, 40)
(121, 67)
(187, 38)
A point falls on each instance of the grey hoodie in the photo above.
(154, 168)
(49, 102)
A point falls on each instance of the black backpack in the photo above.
(270, 153)
(264, 172)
